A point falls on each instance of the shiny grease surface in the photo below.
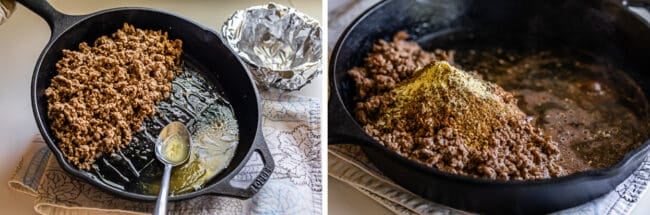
(593, 109)
(199, 104)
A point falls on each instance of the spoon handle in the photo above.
(161, 203)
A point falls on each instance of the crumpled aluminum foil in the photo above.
(281, 45)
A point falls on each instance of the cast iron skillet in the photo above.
(606, 28)
(216, 62)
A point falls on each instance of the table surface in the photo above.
(23, 37)
(344, 199)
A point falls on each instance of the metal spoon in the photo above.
(172, 149)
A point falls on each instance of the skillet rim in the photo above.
(88, 177)
(591, 174)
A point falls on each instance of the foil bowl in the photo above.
(281, 45)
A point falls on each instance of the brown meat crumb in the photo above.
(391, 62)
(445, 118)
(102, 94)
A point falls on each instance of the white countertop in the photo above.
(23, 37)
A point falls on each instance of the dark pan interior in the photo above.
(204, 48)
(603, 28)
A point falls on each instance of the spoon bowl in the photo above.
(173, 144)
(172, 149)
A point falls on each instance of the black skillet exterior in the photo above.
(611, 30)
(200, 44)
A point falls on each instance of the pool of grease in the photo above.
(590, 107)
(209, 117)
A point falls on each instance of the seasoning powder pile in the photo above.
(448, 119)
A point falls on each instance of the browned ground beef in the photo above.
(103, 93)
(391, 62)
(592, 109)
(437, 117)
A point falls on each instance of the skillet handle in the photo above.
(644, 4)
(225, 188)
(56, 20)
(342, 129)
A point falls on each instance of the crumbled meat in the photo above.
(445, 118)
(592, 109)
(391, 62)
(103, 93)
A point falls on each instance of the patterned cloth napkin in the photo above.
(348, 163)
(291, 128)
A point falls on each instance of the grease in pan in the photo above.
(582, 111)
(110, 101)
